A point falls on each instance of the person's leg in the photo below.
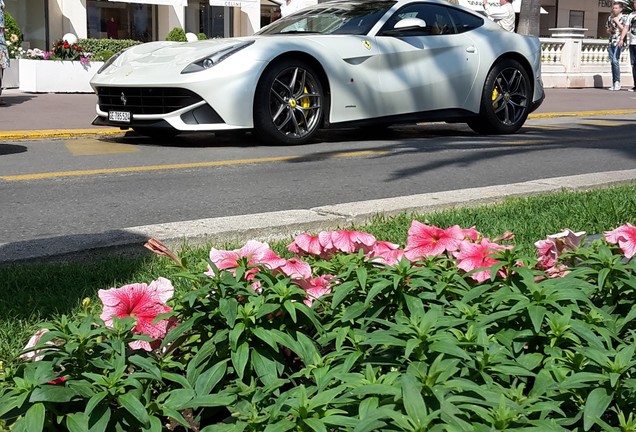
(614, 55)
(1, 73)
(632, 59)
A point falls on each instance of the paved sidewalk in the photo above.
(42, 115)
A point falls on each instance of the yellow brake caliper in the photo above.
(304, 102)
(495, 95)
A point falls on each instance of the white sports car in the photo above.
(335, 64)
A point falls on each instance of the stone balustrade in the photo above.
(577, 63)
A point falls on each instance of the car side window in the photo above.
(437, 18)
(465, 21)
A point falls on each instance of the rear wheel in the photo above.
(288, 104)
(505, 101)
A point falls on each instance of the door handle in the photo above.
(471, 49)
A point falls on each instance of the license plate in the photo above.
(119, 116)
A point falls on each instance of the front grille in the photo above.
(145, 100)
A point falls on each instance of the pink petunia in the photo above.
(472, 256)
(305, 244)
(547, 253)
(352, 241)
(625, 237)
(555, 245)
(386, 252)
(253, 253)
(32, 343)
(296, 268)
(315, 288)
(425, 241)
(142, 302)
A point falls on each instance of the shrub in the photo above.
(114, 45)
(177, 34)
(349, 334)
(11, 27)
(63, 50)
(103, 55)
(202, 36)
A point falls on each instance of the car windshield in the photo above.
(336, 17)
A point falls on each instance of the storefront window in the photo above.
(215, 21)
(114, 20)
(30, 15)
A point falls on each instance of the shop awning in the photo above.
(156, 2)
(478, 5)
(233, 3)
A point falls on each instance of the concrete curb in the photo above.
(285, 224)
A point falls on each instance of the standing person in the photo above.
(504, 14)
(111, 29)
(289, 7)
(4, 52)
(630, 29)
(616, 23)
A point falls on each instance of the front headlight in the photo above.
(110, 61)
(215, 58)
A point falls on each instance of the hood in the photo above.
(178, 54)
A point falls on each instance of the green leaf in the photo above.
(131, 404)
(413, 401)
(340, 292)
(315, 424)
(240, 358)
(99, 418)
(291, 309)
(34, 418)
(155, 425)
(52, 393)
(211, 400)
(146, 365)
(595, 406)
(208, 379)
(537, 313)
(280, 426)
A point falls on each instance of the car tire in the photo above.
(506, 99)
(288, 103)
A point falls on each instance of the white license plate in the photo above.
(119, 116)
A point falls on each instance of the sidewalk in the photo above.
(42, 115)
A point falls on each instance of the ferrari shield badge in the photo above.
(366, 44)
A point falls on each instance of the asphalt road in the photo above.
(81, 186)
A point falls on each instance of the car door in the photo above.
(427, 67)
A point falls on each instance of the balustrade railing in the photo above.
(575, 62)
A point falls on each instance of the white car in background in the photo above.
(340, 63)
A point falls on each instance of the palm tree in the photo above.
(529, 17)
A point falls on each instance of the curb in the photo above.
(283, 225)
(74, 133)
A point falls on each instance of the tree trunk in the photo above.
(529, 17)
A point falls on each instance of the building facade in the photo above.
(44, 21)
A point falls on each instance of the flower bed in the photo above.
(453, 332)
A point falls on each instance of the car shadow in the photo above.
(8, 149)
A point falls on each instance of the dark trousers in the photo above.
(632, 59)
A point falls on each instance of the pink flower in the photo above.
(305, 244)
(625, 237)
(424, 240)
(161, 249)
(472, 256)
(253, 254)
(386, 252)
(555, 245)
(296, 268)
(352, 241)
(547, 252)
(142, 302)
(315, 288)
(32, 343)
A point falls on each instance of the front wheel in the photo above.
(505, 101)
(288, 104)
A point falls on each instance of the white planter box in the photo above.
(54, 76)
(10, 78)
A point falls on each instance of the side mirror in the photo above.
(410, 23)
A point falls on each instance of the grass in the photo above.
(33, 293)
